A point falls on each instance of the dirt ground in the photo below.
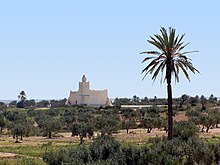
(7, 155)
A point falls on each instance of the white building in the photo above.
(85, 96)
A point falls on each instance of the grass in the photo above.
(22, 161)
(214, 139)
(32, 150)
(27, 150)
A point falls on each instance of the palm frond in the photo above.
(153, 62)
(171, 38)
(182, 47)
(170, 48)
(160, 67)
(151, 52)
(195, 51)
(146, 59)
(184, 70)
(164, 34)
(176, 72)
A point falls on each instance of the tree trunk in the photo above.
(207, 128)
(169, 99)
(127, 130)
(166, 130)
(203, 107)
(16, 139)
(181, 104)
(81, 139)
(49, 134)
(203, 128)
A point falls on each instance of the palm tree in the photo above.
(171, 59)
(22, 96)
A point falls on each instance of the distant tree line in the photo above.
(182, 100)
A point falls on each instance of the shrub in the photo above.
(185, 129)
(104, 147)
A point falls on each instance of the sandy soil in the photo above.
(7, 155)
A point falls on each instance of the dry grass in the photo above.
(7, 155)
(180, 117)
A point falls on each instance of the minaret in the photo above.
(84, 85)
(83, 90)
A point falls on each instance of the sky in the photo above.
(47, 45)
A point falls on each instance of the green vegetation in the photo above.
(81, 134)
(106, 150)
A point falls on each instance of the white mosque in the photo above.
(85, 96)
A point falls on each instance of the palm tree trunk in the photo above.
(170, 108)
(170, 112)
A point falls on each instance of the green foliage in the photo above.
(81, 129)
(52, 112)
(69, 117)
(30, 103)
(58, 103)
(106, 150)
(77, 156)
(43, 104)
(15, 116)
(3, 122)
(107, 124)
(128, 113)
(215, 115)
(151, 119)
(203, 101)
(185, 130)
(48, 124)
(2, 106)
(104, 147)
(199, 152)
(17, 130)
(207, 121)
(29, 161)
(149, 123)
(128, 124)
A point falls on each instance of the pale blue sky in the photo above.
(47, 45)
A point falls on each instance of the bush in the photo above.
(76, 156)
(185, 129)
(106, 150)
(104, 147)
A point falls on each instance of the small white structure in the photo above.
(85, 96)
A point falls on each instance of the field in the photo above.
(32, 148)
